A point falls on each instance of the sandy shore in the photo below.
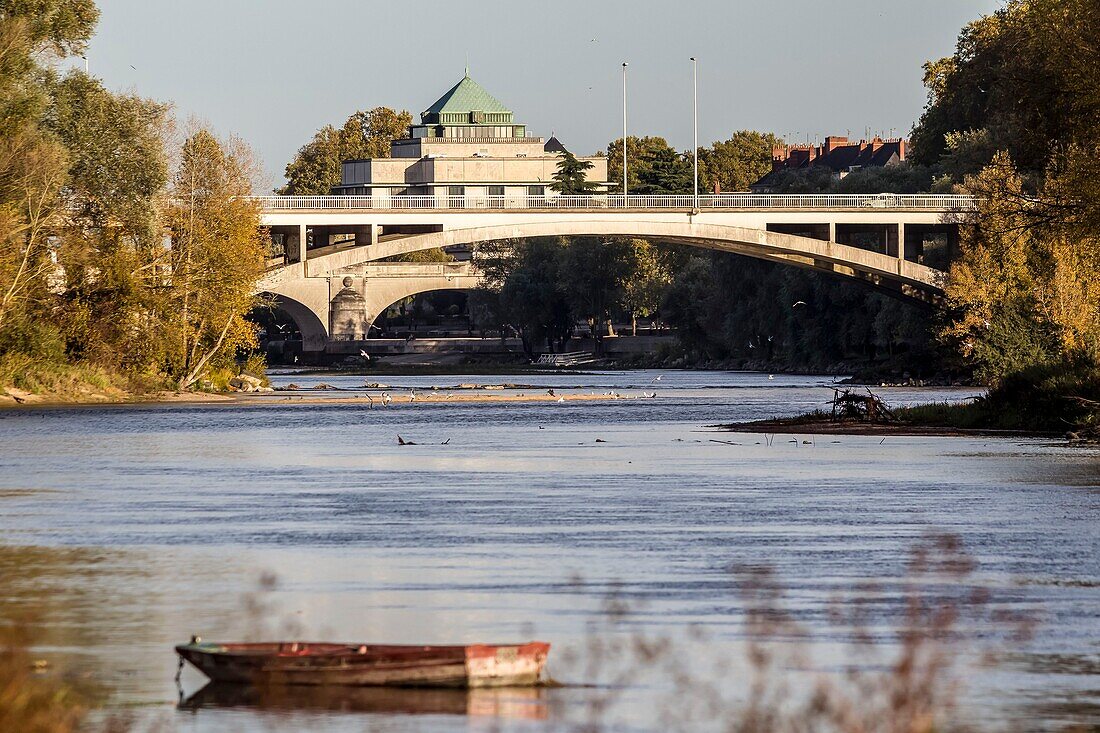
(427, 397)
(333, 397)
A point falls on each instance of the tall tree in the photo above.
(218, 251)
(735, 164)
(1026, 75)
(1023, 82)
(571, 178)
(316, 167)
(32, 172)
(60, 27)
(524, 283)
(594, 273)
(111, 244)
(652, 269)
(642, 155)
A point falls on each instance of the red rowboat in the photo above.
(302, 663)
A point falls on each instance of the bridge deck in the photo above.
(621, 204)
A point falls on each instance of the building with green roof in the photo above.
(467, 144)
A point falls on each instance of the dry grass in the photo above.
(33, 700)
(906, 677)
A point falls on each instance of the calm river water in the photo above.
(124, 530)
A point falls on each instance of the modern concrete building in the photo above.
(467, 144)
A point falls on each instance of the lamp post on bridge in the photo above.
(624, 135)
(695, 136)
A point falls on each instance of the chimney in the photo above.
(901, 150)
(876, 144)
(832, 142)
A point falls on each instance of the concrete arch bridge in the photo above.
(334, 280)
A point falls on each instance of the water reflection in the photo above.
(527, 703)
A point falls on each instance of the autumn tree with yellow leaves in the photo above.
(1015, 114)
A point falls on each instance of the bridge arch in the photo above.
(308, 320)
(385, 292)
(892, 274)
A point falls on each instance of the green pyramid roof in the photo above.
(465, 97)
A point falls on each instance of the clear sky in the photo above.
(273, 71)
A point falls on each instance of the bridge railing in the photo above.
(934, 202)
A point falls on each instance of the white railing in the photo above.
(923, 202)
(571, 358)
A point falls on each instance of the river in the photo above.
(126, 529)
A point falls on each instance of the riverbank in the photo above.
(1059, 400)
(816, 424)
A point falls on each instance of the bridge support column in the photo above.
(832, 232)
(891, 242)
(363, 234)
(901, 242)
(296, 244)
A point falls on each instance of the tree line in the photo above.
(128, 249)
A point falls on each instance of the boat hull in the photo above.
(298, 663)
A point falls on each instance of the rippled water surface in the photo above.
(124, 530)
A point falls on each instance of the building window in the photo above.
(496, 197)
(456, 196)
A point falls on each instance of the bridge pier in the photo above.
(341, 306)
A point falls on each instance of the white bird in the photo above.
(364, 354)
(771, 376)
(561, 399)
(386, 399)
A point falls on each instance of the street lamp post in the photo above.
(624, 135)
(695, 137)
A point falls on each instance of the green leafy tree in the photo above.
(735, 164)
(316, 167)
(665, 173)
(110, 248)
(59, 27)
(32, 173)
(1023, 82)
(594, 273)
(571, 178)
(524, 285)
(650, 275)
(1026, 75)
(642, 153)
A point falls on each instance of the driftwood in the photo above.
(849, 405)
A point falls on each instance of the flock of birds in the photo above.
(387, 399)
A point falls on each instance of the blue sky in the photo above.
(273, 71)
